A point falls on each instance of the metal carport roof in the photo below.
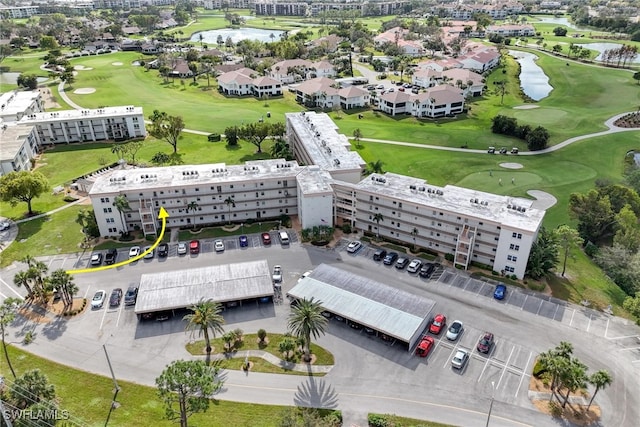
(221, 283)
(381, 307)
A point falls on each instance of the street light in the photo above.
(493, 393)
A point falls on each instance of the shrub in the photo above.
(262, 335)
(591, 250)
(376, 420)
(448, 257)
(538, 369)
(69, 199)
(555, 409)
(346, 228)
(495, 273)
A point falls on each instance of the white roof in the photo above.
(221, 283)
(373, 304)
(55, 116)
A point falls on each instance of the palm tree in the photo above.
(305, 320)
(63, 282)
(377, 218)
(206, 316)
(374, 167)
(600, 380)
(193, 207)
(23, 279)
(82, 219)
(230, 204)
(357, 135)
(121, 203)
(37, 273)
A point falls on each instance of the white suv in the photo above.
(414, 266)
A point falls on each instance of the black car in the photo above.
(131, 296)
(111, 256)
(163, 250)
(427, 270)
(379, 255)
(115, 298)
(390, 258)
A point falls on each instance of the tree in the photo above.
(599, 380)
(632, 305)
(205, 317)
(121, 203)
(189, 384)
(166, 127)
(377, 218)
(636, 77)
(160, 158)
(286, 346)
(567, 238)
(231, 134)
(193, 207)
(48, 43)
(7, 315)
(374, 167)
(594, 214)
(118, 149)
(230, 204)
(255, 133)
(560, 31)
(537, 139)
(628, 232)
(86, 218)
(31, 388)
(543, 256)
(29, 81)
(132, 149)
(63, 283)
(37, 275)
(357, 135)
(262, 335)
(306, 320)
(22, 186)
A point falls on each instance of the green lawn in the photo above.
(88, 396)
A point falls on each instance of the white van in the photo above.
(284, 237)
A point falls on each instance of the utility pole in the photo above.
(114, 403)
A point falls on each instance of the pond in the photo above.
(12, 79)
(601, 47)
(211, 37)
(533, 81)
(559, 21)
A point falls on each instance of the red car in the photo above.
(485, 343)
(437, 324)
(266, 239)
(194, 247)
(425, 346)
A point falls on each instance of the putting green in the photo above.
(499, 181)
(542, 116)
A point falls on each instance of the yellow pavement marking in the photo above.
(163, 215)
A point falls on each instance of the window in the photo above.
(514, 258)
(400, 205)
(517, 248)
(519, 236)
(480, 223)
(514, 235)
(370, 198)
(394, 202)
(509, 258)
(512, 246)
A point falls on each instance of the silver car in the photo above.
(182, 248)
(460, 359)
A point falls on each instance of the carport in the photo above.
(388, 310)
(221, 283)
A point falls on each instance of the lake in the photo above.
(211, 37)
(601, 47)
(533, 81)
(559, 21)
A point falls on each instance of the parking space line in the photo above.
(11, 289)
(447, 361)
(556, 312)
(589, 324)
(572, 314)
(539, 307)
(104, 314)
(119, 314)
(526, 365)
(467, 283)
(524, 302)
(481, 287)
(505, 367)
(509, 298)
(484, 368)
(606, 329)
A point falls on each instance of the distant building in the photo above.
(18, 147)
(13, 12)
(16, 104)
(245, 81)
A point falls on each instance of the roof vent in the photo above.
(412, 187)
(421, 188)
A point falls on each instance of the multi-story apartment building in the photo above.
(117, 4)
(293, 8)
(109, 123)
(14, 105)
(233, 4)
(277, 8)
(11, 12)
(196, 194)
(470, 225)
(18, 146)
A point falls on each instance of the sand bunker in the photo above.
(84, 91)
(543, 200)
(117, 64)
(511, 165)
(526, 107)
(82, 68)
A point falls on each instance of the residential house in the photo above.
(481, 61)
(266, 86)
(329, 42)
(392, 35)
(18, 146)
(426, 77)
(239, 82)
(438, 101)
(511, 30)
(320, 92)
(394, 103)
(353, 97)
(180, 68)
(297, 70)
(411, 47)
(472, 84)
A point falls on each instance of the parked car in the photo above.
(149, 254)
(426, 344)
(305, 274)
(277, 274)
(354, 247)
(414, 266)
(163, 250)
(427, 270)
(454, 330)
(182, 248)
(327, 314)
(500, 292)
(115, 298)
(194, 247)
(379, 255)
(266, 238)
(218, 245)
(98, 299)
(438, 323)
(131, 296)
(134, 251)
(485, 343)
(96, 259)
(111, 256)
(401, 263)
(460, 359)
(390, 258)
(244, 241)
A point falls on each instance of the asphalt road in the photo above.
(369, 375)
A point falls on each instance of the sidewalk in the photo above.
(274, 360)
